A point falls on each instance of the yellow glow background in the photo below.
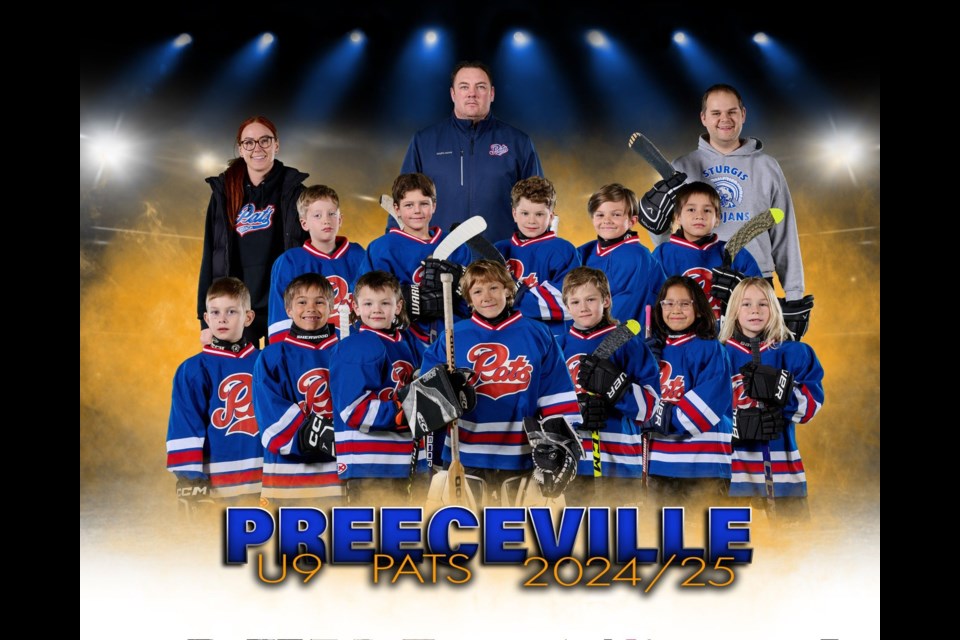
(143, 569)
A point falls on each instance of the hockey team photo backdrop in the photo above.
(347, 89)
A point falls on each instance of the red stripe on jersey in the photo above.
(279, 336)
(666, 446)
(562, 408)
(790, 466)
(619, 448)
(176, 458)
(281, 440)
(236, 477)
(356, 418)
(373, 446)
(556, 313)
(317, 480)
(492, 438)
(811, 404)
(698, 418)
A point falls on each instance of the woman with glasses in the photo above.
(251, 219)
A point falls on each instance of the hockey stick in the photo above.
(642, 145)
(455, 470)
(771, 504)
(645, 438)
(742, 237)
(483, 249)
(469, 228)
(387, 203)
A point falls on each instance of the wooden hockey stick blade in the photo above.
(616, 339)
(483, 249)
(467, 229)
(753, 228)
(386, 203)
(642, 145)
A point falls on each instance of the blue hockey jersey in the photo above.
(693, 379)
(518, 372)
(212, 432)
(291, 381)
(540, 264)
(341, 268)
(621, 449)
(635, 276)
(789, 477)
(680, 257)
(367, 370)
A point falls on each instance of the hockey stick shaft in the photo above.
(455, 470)
(645, 438)
(642, 145)
(765, 447)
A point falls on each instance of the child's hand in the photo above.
(206, 337)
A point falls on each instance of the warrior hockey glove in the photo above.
(194, 494)
(796, 315)
(594, 412)
(315, 438)
(656, 205)
(556, 451)
(433, 269)
(758, 424)
(422, 304)
(661, 421)
(602, 377)
(724, 281)
(766, 384)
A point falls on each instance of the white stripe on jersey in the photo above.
(184, 443)
(237, 490)
(759, 478)
(298, 468)
(557, 398)
(235, 465)
(687, 423)
(703, 407)
(279, 325)
(331, 491)
(195, 466)
(274, 430)
(709, 436)
(757, 456)
(667, 458)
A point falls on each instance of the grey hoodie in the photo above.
(749, 182)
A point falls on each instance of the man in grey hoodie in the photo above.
(749, 182)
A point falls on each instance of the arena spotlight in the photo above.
(357, 36)
(597, 40)
(680, 38)
(761, 38)
(520, 39)
(265, 41)
(430, 38)
(182, 40)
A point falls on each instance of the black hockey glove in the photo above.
(602, 377)
(796, 315)
(766, 384)
(435, 399)
(724, 281)
(556, 451)
(518, 296)
(194, 494)
(315, 438)
(655, 344)
(432, 270)
(757, 423)
(594, 411)
(656, 205)
(661, 421)
(421, 304)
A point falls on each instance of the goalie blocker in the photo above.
(556, 451)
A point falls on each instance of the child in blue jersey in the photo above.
(518, 372)
(213, 446)
(777, 383)
(291, 391)
(695, 251)
(635, 276)
(536, 257)
(406, 254)
(374, 450)
(325, 252)
(691, 427)
(614, 408)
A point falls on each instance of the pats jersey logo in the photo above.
(495, 373)
(315, 387)
(740, 398)
(236, 415)
(417, 276)
(671, 389)
(401, 373)
(341, 295)
(704, 279)
(249, 219)
(573, 368)
(515, 267)
(499, 149)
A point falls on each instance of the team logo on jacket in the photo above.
(236, 415)
(401, 373)
(573, 368)
(495, 374)
(729, 190)
(671, 389)
(250, 219)
(515, 267)
(315, 387)
(704, 278)
(740, 398)
(499, 149)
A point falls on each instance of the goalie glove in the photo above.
(556, 451)
(435, 399)
(603, 378)
(194, 494)
(796, 315)
(433, 269)
(593, 410)
(766, 384)
(422, 304)
(316, 440)
(758, 424)
(656, 205)
(723, 281)
(661, 421)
